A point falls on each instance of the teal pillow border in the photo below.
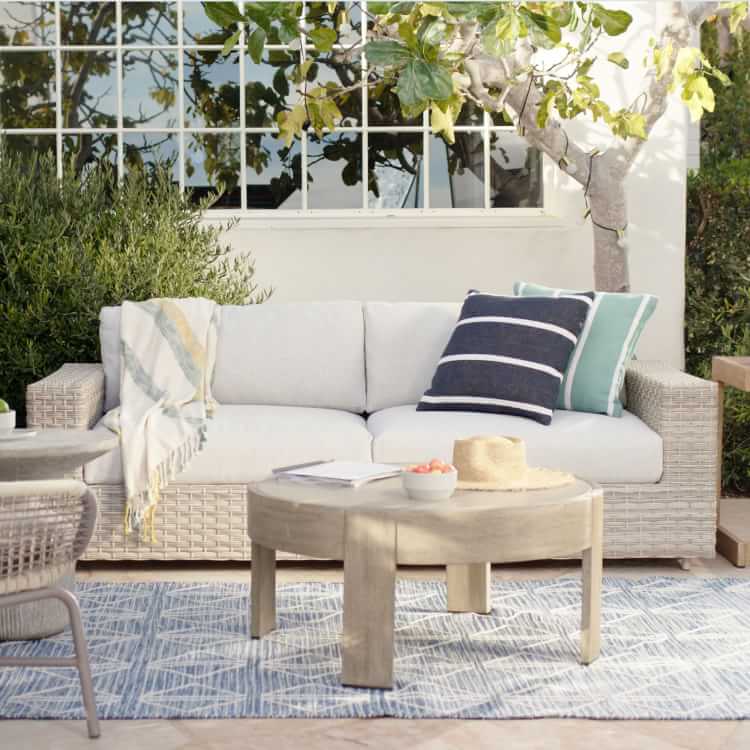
(596, 370)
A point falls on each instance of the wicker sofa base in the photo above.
(209, 522)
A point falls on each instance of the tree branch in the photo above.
(676, 33)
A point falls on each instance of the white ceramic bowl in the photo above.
(7, 421)
(429, 486)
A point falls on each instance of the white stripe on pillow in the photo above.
(551, 327)
(502, 360)
(576, 358)
(488, 401)
(627, 349)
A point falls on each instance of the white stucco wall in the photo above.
(439, 259)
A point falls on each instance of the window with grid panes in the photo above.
(143, 82)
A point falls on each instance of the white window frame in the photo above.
(273, 217)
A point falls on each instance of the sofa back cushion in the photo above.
(292, 354)
(403, 343)
(287, 353)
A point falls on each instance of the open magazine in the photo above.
(346, 473)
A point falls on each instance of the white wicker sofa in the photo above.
(316, 380)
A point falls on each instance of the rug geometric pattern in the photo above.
(672, 648)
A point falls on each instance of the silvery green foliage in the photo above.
(69, 247)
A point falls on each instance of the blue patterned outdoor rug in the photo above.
(672, 648)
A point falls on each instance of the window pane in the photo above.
(457, 172)
(30, 144)
(395, 170)
(87, 23)
(336, 71)
(89, 148)
(212, 90)
(89, 89)
(149, 89)
(27, 90)
(27, 23)
(334, 167)
(267, 90)
(198, 28)
(274, 173)
(212, 162)
(149, 23)
(146, 150)
(515, 172)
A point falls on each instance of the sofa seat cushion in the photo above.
(246, 442)
(592, 446)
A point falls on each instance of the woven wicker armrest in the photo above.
(70, 398)
(684, 411)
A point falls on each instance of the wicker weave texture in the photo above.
(675, 517)
(44, 528)
(70, 398)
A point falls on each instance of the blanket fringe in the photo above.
(140, 509)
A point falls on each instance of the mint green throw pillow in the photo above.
(596, 369)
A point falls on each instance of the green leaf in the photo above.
(323, 39)
(323, 110)
(231, 42)
(291, 124)
(280, 83)
(385, 52)
(619, 59)
(614, 22)
(255, 43)
(223, 14)
(421, 81)
(546, 24)
(443, 117)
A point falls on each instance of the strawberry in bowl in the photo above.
(433, 480)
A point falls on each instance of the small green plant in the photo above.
(4, 407)
(69, 247)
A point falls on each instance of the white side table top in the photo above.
(51, 454)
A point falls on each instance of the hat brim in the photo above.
(536, 479)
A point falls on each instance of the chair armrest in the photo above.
(70, 398)
(684, 411)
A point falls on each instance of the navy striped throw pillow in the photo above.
(507, 355)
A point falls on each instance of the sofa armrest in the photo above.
(684, 411)
(70, 398)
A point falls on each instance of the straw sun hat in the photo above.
(499, 463)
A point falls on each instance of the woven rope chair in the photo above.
(44, 528)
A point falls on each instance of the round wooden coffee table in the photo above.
(376, 527)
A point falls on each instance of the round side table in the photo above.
(50, 454)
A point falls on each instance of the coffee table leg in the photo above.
(262, 590)
(369, 581)
(469, 588)
(592, 584)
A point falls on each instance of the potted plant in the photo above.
(7, 417)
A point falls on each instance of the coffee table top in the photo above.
(472, 526)
(389, 498)
(52, 453)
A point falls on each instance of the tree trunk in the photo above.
(609, 213)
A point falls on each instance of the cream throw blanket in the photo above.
(167, 357)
